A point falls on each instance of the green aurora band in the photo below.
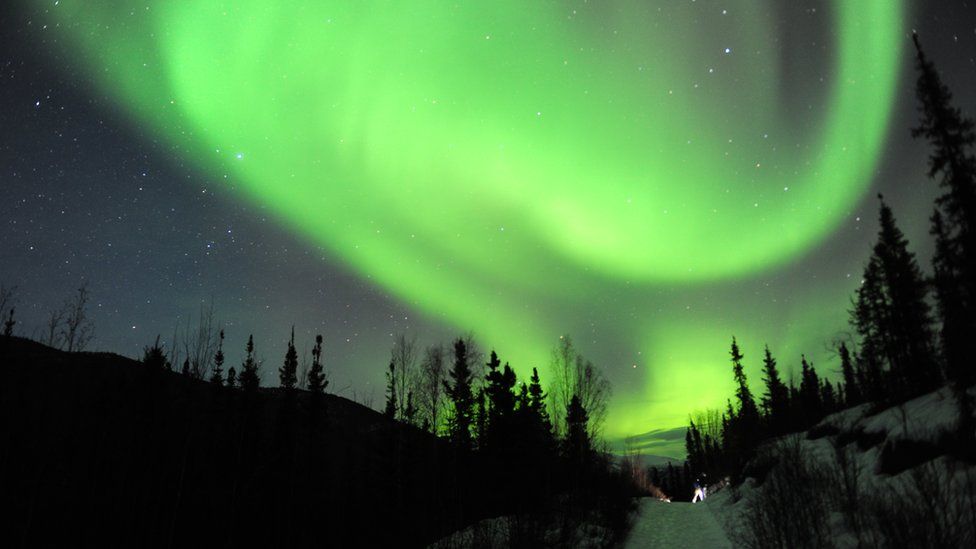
(504, 166)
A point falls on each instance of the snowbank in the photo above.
(859, 479)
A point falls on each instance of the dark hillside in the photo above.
(100, 450)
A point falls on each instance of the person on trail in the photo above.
(699, 495)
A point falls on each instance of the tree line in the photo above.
(903, 346)
(514, 428)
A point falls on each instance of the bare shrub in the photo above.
(200, 345)
(790, 509)
(573, 375)
(923, 509)
(403, 356)
(430, 387)
(846, 484)
(75, 328)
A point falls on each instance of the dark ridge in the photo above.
(100, 450)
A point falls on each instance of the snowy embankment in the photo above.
(858, 479)
(663, 524)
(513, 531)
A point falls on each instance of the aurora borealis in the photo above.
(650, 177)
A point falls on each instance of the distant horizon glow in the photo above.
(496, 166)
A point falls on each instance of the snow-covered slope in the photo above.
(884, 479)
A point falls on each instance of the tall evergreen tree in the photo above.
(748, 413)
(458, 390)
(694, 448)
(954, 338)
(869, 316)
(499, 388)
(217, 375)
(741, 429)
(910, 351)
(288, 373)
(317, 381)
(828, 397)
(537, 399)
(729, 435)
(951, 136)
(249, 379)
(852, 390)
(391, 395)
(577, 445)
(522, 398)
(776, 399)
(893, 319)
(810, 397)
(409, 411)
(232, 377)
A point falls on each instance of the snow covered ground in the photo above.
(881, 500)
(662, 524)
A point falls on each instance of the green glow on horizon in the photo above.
(490, 162)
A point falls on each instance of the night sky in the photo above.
(651, 178)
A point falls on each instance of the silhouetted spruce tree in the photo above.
(459, 393)
(8, 325)
(728, 419)
(391, 399)
(741, 428)
(869, 317)
(532, 442)
(776, 399)
(748, 414)
(701, 450)
(810, 398)
(576, 446)
(154, 357)
(537, 398)
(493, 374)
(288, 373)
(852, 391)
(951, 136)
(828, 397)
(316, 374)
(500, 385)
(232, 377)
(956, 332)
(186, 368)
(693, 447)
(522, 399)
(249, 380)
(409, 411)
(713, 457)
(217, 376)
(909, 324)
(950, 305)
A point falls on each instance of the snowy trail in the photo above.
(684, 525)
